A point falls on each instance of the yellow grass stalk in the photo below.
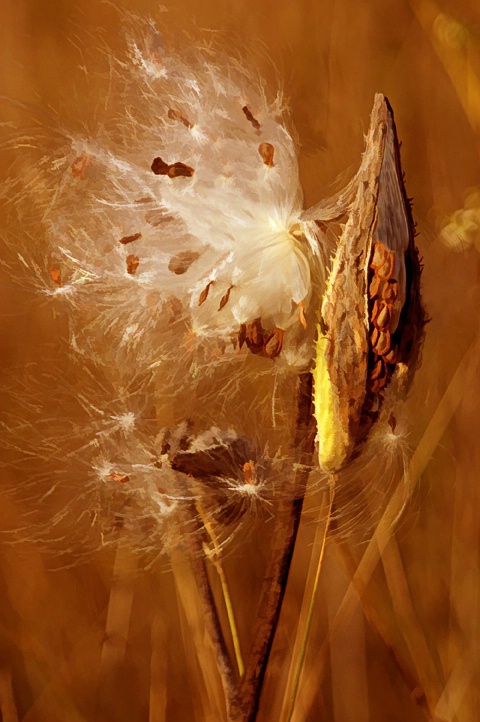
(385, 529)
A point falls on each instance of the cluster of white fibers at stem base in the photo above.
(181, 213)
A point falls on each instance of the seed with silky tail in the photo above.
(370, 325)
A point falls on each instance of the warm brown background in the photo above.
(332, 58)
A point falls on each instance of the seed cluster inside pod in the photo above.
(371, 320)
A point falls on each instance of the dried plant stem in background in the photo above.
(287, 519)
(197, 540)
(308, 606)
(117, 624)
(8, 709)
(215, 557)
(385, 529)
(201, 657)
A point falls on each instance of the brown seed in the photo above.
(387, 268)
(118, 477)
(158, 216)
(390, 291)
(204, 294)
(382, 343)
(374, 287)
(224, 299)
(249, 472)
(133, 263)
(383, 317)
(249, 116)
(377, 370)
(129, 239)
(159, 166)
(267, 151)
(178, 170)
(380, 253)
(176, 115)
(182, 261)
(392, 356)
(56, 276)
(274, 343)
(301, 315)
(80, 165)
(374, 336)
(254, 336)
(242, 335)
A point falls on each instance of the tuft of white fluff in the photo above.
(138, 255)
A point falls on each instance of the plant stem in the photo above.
(215, 558)
(287, 520)
(198, 565)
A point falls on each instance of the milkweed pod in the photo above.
(371, 318)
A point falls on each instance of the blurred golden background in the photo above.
(92, 643)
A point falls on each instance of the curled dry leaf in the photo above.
(371, 320)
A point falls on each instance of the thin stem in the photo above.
(215, 558)
(199, 568)
(287, 519)
(308, 624)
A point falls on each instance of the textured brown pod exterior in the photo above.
(371, 321)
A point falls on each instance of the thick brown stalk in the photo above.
(287, 519)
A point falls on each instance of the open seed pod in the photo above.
(371, 319)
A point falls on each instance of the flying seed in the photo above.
(173, 170)
(301, 315)
(250, 117)
(182, 261)
(129, 239)
(118, 477)
(224, 299)
(176, 115)
(56, 276)
(80, 165)
(267, 151)
(249, 472)
(204, 293)
(133, 263)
